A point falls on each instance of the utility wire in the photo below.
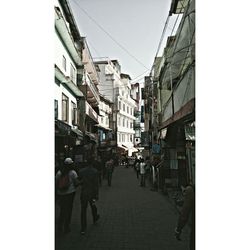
(133, 80)
(163, 34)
(110, 35)
(98, 54)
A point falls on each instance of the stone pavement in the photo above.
(132, 218)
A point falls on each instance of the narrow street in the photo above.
(132, 217)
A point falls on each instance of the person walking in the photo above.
(188, 209)
(66, 183)
(89, 178)
(137, 167)
(109, 170)
(142, 172)
(98, 165)
(147, 169)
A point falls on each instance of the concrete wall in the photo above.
(58, 96)
(184, 92)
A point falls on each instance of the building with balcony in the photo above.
(138, 123)
(106, 135)
(68, 74)
(171, 99)
(116, 87)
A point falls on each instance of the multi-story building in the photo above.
(139, 119)
(170, 98)
(68, 74)
(89, 116)
(106, 136)
(116, 87)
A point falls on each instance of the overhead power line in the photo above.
(136, 78)
(163, 35)
(114, 40)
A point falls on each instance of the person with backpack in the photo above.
(89, 180)
(66, 183)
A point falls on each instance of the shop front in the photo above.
(64, 142)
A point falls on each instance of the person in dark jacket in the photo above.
(98, 165)
(89, 178)
(109, 170)
(188, 209)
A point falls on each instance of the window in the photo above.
(119, 105)
(119, 137)
(65, 108)
(64, 63)
(122, 137)
(128, 110)
(56, 108)
(123, 122)
(107, 121)
(127, 123)
(73, 113)
(131, 138)
(131, 111)
(131, 124)
(72, 73)
(123, 107)
(119, 121)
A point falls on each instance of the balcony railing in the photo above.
(137, 124)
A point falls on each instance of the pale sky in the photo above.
(137, 25)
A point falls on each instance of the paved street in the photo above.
(132, 217)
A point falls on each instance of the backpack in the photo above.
(63, 182)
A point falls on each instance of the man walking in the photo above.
(88, 177)
(109, 170)
(188, 209)
(142, 172)
(98, 165)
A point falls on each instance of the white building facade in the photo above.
(116, 87)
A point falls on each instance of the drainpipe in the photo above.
(172, 93)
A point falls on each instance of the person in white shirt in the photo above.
(142, 172)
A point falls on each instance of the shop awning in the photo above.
(62, 128)
(91, 136)
(123, 147)
(101, 127)
(78, 133)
